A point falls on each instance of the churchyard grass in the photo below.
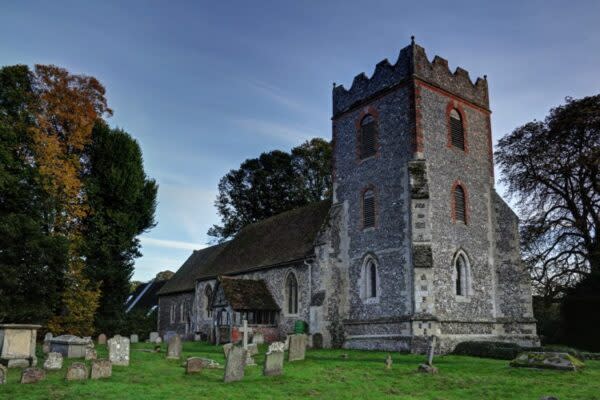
(324, 374)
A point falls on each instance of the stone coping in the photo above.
(20, 326)
(69, 339)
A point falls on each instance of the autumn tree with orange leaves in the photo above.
(68, 106)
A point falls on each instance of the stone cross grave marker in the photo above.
(234, 365)
(118, 350)
(274, 359)
(246, 332)
(297, 349)
(174, 347)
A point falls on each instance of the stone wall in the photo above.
(388, 242)
(165, 304)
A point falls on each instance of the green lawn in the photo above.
(324, 374)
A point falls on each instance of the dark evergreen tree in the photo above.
(272, 183)
(32, 260)
(123, 203)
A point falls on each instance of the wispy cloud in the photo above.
(282, 132)
(171, 244)
(279, 96)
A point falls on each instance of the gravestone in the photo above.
(101, 369)
(32, 375)
(102, 338)
(428, 367)
(46, 343)
(54, 361)
(297, 350)
(547, 360)
(90, 354)
(118, 350)
(388, 362)
(258, 338)
(246, 332)
(3, 373)
(227, 348)
(158, 340)
(77, 372)
(17, 345)
(274, 359)
(174, 347)
(252, 349)
(194, 365)
(134, 338)
(70, 346)
(317, 340)
(234, 365)
(287, 342)
(153, 336)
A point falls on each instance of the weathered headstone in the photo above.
(174, 347)
(118, 350)
(46, 343)
(3, 373)
(102, 338)
(158, 340)
(32, 375)
(54, 361)
(258, 338)
(48, 336)
(317, 340)
(297, 350)
(153, 336)
(90, 354)
(77, 372)
(101, 369)
(252, 349)
(193, 365)
(388, 362)
(227, 348)
(234, 366)
(274, 359)
(134, 338)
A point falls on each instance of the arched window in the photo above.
(291, 285)
(457, 130)
(208, 300)
(460, 204)
(368, 208)
(368, 137)
(370, 279)
(462, 274)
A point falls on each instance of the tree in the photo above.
(122, 201)
(552, 168)
(272, 183)
(66, 110)
(32, 263)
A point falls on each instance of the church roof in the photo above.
(248, 294)
(278, 240)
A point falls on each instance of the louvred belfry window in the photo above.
(460, 210)
(368, 137)
(457, 130)
(368, 209)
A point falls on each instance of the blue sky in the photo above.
(204, 85)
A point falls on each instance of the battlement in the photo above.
(412, 63)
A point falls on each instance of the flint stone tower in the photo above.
(432, 248)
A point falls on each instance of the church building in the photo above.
(414, 242)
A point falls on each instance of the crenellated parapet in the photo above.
(412, 63)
